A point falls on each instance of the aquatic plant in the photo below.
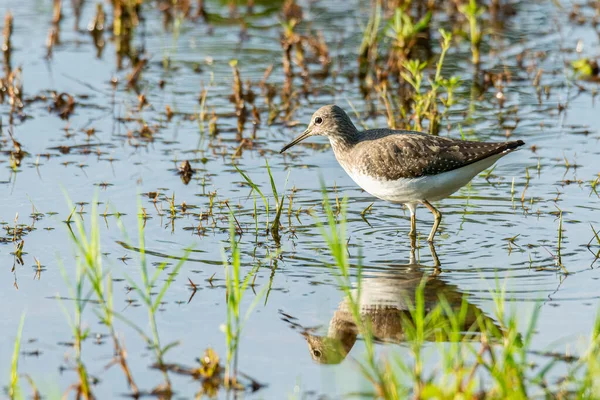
(236, 287)
(90, 257)
(152, 300)
(367, 52)
(404, 34)
(93, 283)
(272, 227)
(13, 387)
(472, 13)
(126, 17)
(424, 102)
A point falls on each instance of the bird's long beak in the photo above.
(294, 142)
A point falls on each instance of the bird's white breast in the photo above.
(414, 190)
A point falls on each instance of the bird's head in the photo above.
(330, 121)
(326, 350)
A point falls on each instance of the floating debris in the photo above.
(133, 77)
(63, 104)
(185, 171)
(586, 68)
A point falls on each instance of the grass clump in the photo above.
(424, 104)
(146, 289)
(93, 285)
(90, 259)
(472, 13)
(273, 226)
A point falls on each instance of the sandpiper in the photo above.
(404, 166)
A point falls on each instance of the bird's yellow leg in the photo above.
(437, 218)
(413, 220)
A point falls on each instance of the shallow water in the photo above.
(473, 247)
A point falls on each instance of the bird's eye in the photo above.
(318, 121)
(317, 353)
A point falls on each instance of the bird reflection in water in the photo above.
(387, 297)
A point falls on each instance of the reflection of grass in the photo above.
(479, 357)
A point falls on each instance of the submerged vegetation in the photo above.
(190, 101)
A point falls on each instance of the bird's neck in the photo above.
(343, 143)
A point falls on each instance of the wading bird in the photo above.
(403, 167)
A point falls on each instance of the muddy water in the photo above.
(115, 164)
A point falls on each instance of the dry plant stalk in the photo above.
(238, 98)
(6, 35)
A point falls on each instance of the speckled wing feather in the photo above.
(406, 154)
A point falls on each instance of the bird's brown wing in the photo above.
(413, 155)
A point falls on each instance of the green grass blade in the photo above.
(13, 389)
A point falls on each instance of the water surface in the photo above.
(116, 163)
